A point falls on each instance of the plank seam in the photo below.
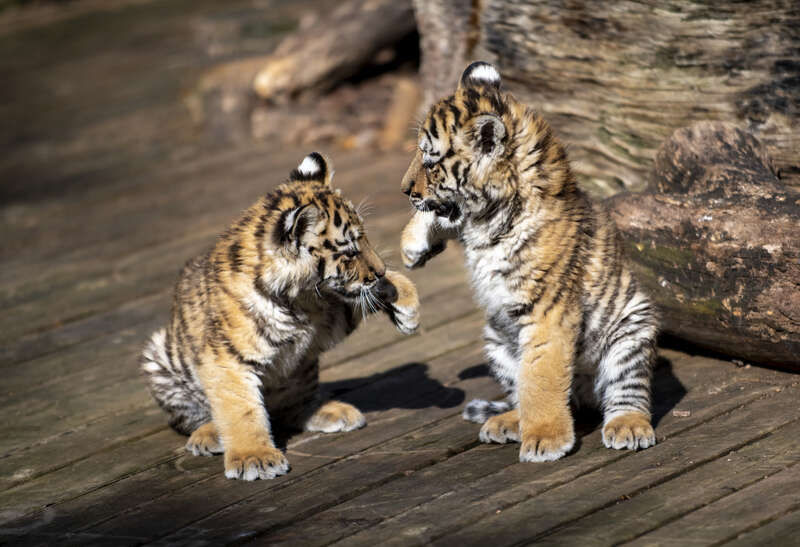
(760, 524)
(666, 479)
(621, 456)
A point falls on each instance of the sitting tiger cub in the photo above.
(251, 317)
(546, 264)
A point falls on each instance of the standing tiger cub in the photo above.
(288, 280)
(565, 317)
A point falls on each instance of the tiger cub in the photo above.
(290, 278)
(565, 317)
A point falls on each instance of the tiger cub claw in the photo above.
(502, 428)
(404, 311)
(546, 441)
(417, 257)
(205, 441)
(335, 416)
(631, 431)
(265, 462)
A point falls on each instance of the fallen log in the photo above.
(717, 244)
(333, 47)
(617, 78)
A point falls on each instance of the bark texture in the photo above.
(617, 78)
(717, 244)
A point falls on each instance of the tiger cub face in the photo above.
(321, 234)
(460, 167)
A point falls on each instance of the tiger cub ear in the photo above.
(480, 74)
(490, 131)
(294, 223)
(314, 167)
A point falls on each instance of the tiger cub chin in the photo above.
(293, 276)
(565, 317)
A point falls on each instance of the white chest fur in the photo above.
(488, 268)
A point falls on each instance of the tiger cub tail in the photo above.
(174, 388)
(480, 410)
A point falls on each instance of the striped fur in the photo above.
(565, 317)
(292, 277)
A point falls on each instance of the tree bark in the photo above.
(615, 79)
(717, 245)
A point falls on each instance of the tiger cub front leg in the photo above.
(545, 376)
(239, 415)
(422, 239)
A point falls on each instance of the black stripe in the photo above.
(235, 256)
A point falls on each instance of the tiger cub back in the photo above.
(292, 277)
(565, 316)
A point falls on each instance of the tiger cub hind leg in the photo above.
(502, 428)
(631, 430)
(335, 416)
(205, 441)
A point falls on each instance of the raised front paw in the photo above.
(418, 243)
(502, 428)
(404, 311)
(335, 416)
(262, 462)
(416, 255)
(631, 430)
(547, 441)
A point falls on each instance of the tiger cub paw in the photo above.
(416, 255)
(547, 441)
(404, 311)
(262, 462)
(336, 416)
(415, 241)
(502, 428)
(631, 430)
(205, 441)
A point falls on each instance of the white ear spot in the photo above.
(309, 166)
(485, 73)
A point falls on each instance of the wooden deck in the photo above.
(107, 191)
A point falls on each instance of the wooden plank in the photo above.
(459, 505)
(530, 511)
(731, 515)
(634, 515)
(774, 532)
(404, 410)
(105, 324)
(230, 522)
